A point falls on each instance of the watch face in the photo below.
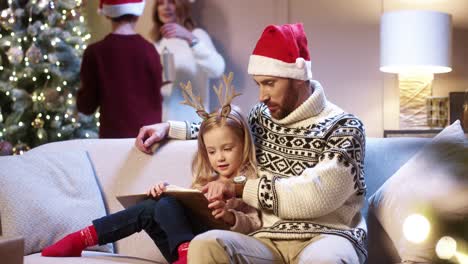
(240, 179)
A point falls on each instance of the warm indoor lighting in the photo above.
(446, 247)
(416, 228)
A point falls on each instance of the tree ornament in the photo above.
(38, 123)
(53, 100)
(51, 95)
(34, 54)
(41, 135)
(15, 55)
(6, 19)
(1, 115)
(6, 148)
(20, 148)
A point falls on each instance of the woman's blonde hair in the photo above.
(201, 167)
(183, 17)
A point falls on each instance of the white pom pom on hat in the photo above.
(282, 51)
(116, 8)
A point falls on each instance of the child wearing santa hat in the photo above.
(121, 74)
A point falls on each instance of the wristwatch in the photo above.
(194, 42)
(239, 182)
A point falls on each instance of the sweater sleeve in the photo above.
(87, 99)
(183, 130)
(206, 54)
(247, 219)
(319, 190)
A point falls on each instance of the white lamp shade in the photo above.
(415, 41)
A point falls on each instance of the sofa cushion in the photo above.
(44, 197)
(431, 179)
(88, 257)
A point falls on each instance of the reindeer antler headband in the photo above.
(225, 97)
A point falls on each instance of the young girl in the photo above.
(225, 150)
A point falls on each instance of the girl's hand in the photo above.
(174, 30)
(157, 190)
(220, 212)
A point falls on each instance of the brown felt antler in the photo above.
(229, 94)
(194, 101)
(225, 97)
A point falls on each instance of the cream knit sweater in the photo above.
(311, 176)
(196, 64)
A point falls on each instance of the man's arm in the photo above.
(319, 190)
(183, 130)
(150, 135)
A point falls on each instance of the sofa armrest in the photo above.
(11, 250)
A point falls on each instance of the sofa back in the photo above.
(384, 156)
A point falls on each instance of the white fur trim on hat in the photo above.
(261, 65)
(123, 9)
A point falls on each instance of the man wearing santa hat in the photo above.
(310, 156)
(121, 74)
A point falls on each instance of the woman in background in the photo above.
(195, 57)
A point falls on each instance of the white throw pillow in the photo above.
(44, 196)
(433, 180)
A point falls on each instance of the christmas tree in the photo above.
(41, 45)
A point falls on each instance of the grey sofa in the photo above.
(384, 156)
(121, 169)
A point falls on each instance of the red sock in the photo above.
(182, 249)
(73, 244)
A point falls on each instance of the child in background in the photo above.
(225, 151)
(121, 74)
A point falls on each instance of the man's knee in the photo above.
(205, 240)
(205, 248)
(328, 249)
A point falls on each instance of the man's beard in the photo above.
(287, 106)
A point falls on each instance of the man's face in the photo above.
(279, 94)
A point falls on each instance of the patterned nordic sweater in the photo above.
(311, 176)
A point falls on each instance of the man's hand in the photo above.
(220, 212)
(216, 190)
(149, 135)
(157, 190)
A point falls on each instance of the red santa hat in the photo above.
(282, 51)
(116, 8)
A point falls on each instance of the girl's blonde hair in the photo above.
(183, 17)
(201, 168)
